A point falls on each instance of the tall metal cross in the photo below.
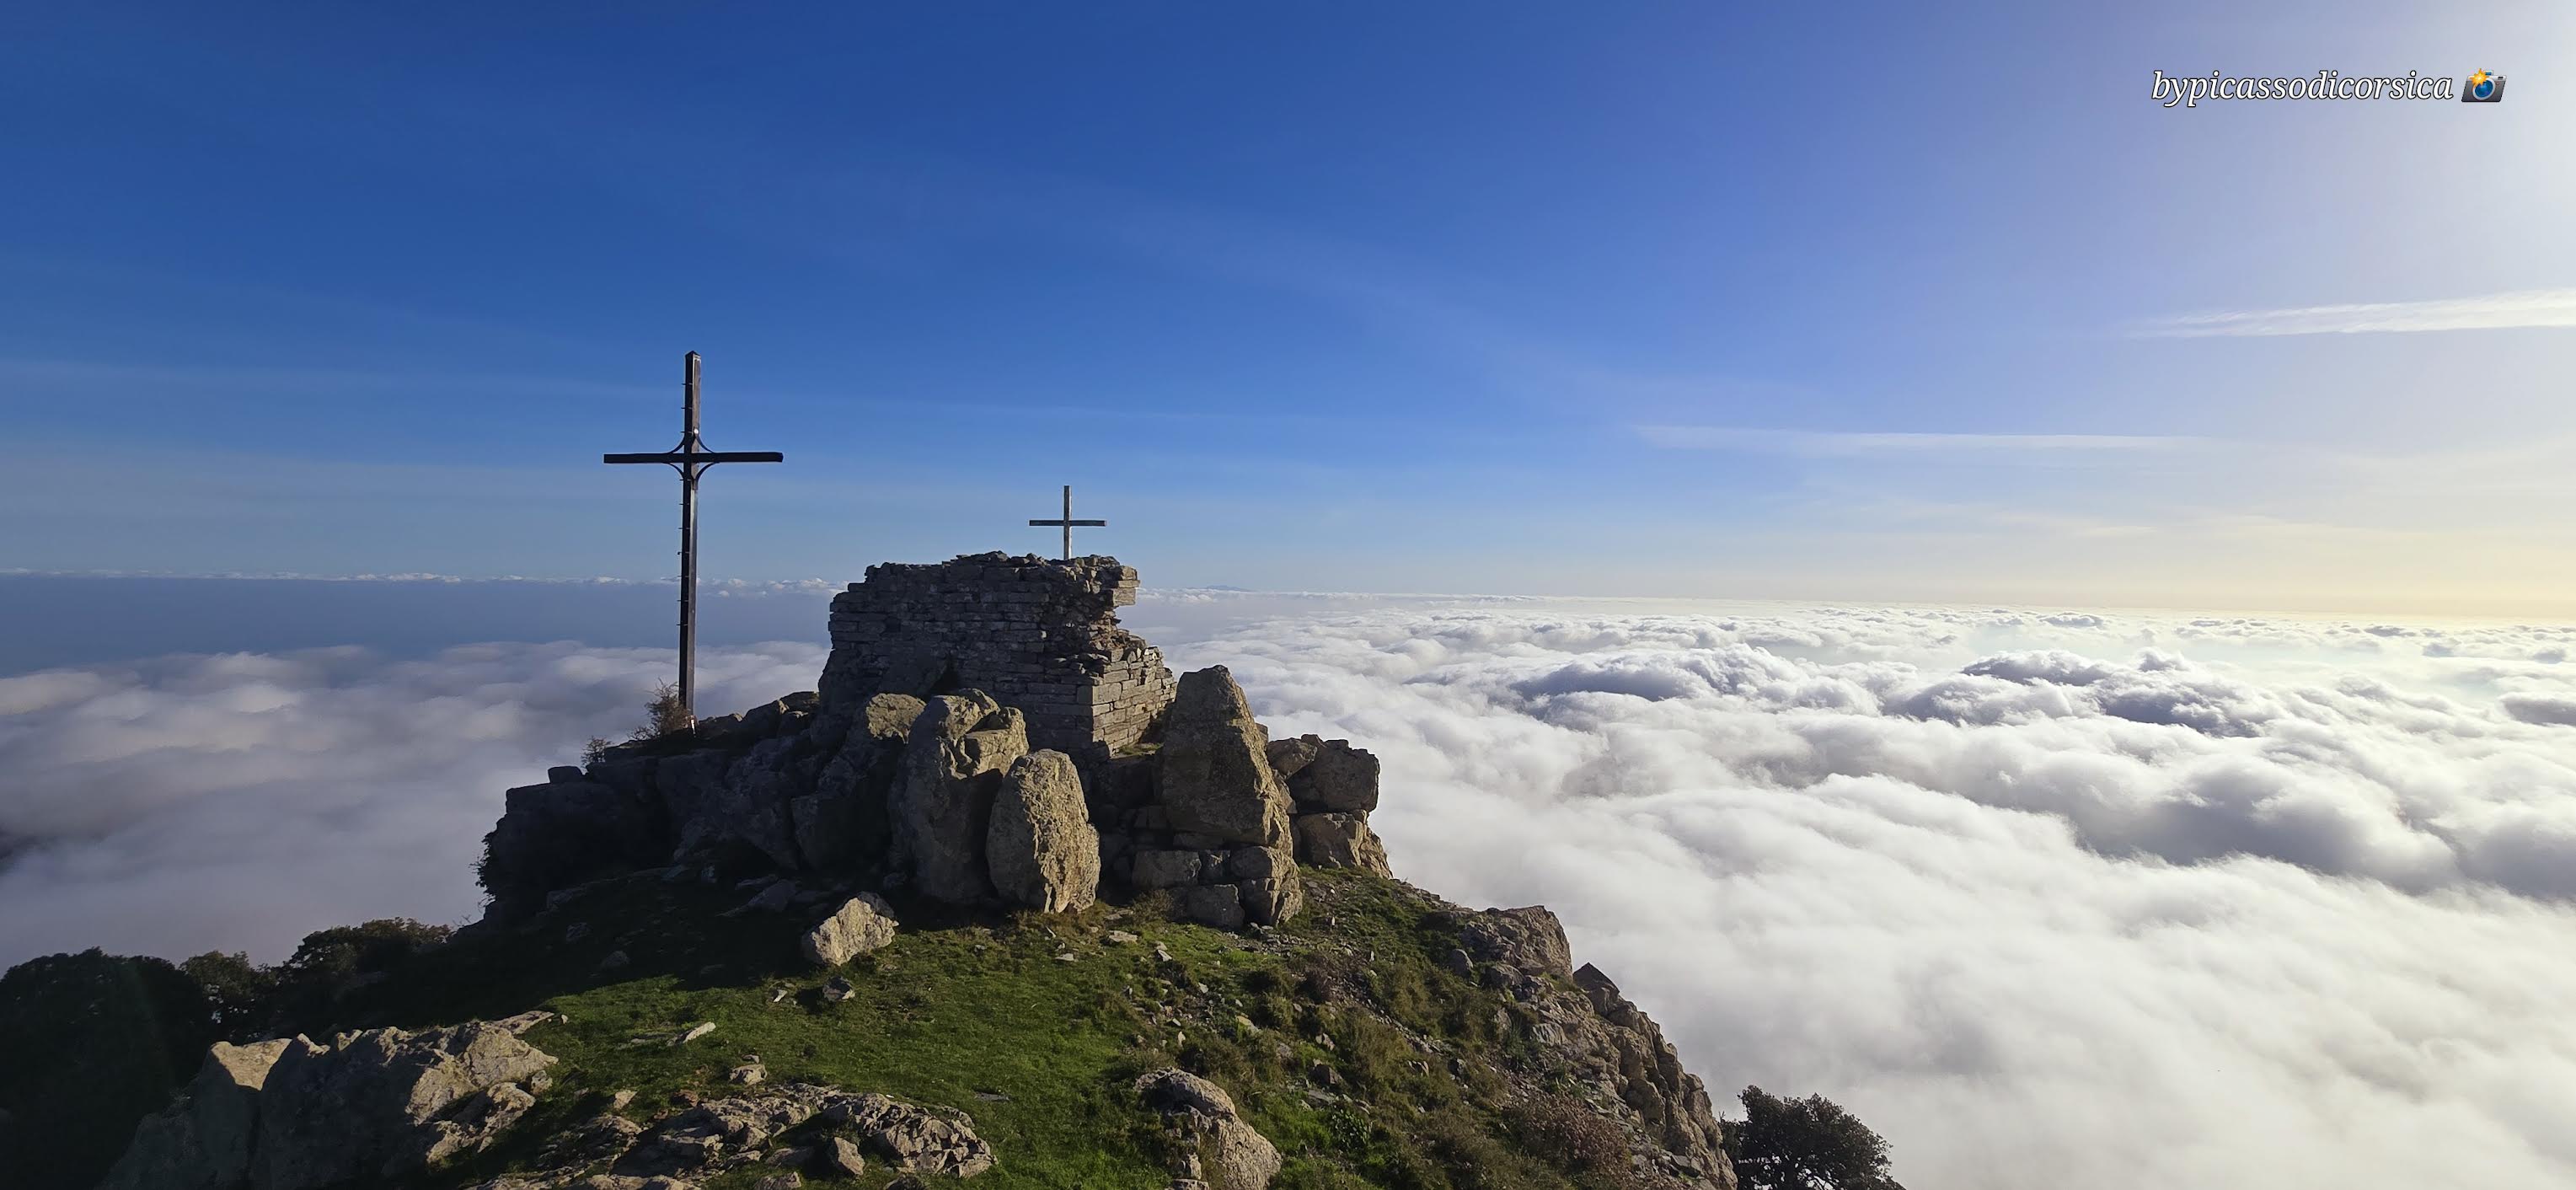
(1068, 523)
(691, 459)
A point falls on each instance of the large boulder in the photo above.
(888, 718)
(961, 744)
(388, 1104)
(203, 1140)
(843, 821)
(1216, 779)
(1219, 905)
(1150, 868)
(1040, 849)
(1270, 901)
(569, 830)
(1241, 1158)
(862, 924)
(737, 788)
(1340, 841)
(1529, 939)
(1326, 775)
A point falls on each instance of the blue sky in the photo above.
(1860, 302)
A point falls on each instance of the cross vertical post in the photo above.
(691, 459)
(1068, 523)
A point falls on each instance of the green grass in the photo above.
(1313, 1031)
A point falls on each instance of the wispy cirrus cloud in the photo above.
(1836, 444)
(2495, 311)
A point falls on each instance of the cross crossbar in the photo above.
(699, 456)
(1068, 524)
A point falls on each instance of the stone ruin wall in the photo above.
(1035, 634)
(922, 762)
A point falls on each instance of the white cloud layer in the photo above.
(2051, 900)
(239, 801)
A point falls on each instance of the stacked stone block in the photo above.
(1038, 635)
(925, 762)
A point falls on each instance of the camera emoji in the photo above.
(2483, 87)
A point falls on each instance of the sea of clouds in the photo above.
(2049, 899)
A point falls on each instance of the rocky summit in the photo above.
(1002, 901)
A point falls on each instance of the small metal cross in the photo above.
(691, 459)
(1068, 523)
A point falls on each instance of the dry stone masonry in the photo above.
(1038, 635)
(986, 734)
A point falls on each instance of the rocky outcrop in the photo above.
(883, 793)
(721, 1135)
(387, 1103)
(782, 786)
(914, 1139)
(1203, 1117)
(843, 823)
(1585, 1034)
(1326, 775)
(952, 769)
(1040, 849)
(384, 1104)
(862, 924)
(892, 775)
(1528, 940)
(1215, 779)
(203, 1140)
(1336, 840)
(1204, 817)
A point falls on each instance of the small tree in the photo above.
(1804, 1144)
(663, 715)
(330, 964)
(89, 1044)
(238, 991)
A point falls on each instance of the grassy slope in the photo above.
(983, 1016)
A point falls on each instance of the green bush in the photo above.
(1567, 1133)
(1804, 1144)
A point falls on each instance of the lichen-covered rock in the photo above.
(1270, 901)
(1040, 849)
(889, 717)
(914, 1139)
(1529, 939)
(839, 1158)
(1215, 777)
(1258, 863)
(1340, 841)
(1241, 1158)
(561, 833)
(711, 1135)
(1163, 868)
(1582, 1032)
(1326, 775)
(952, 768)
(1219, 905)
(203, 1140)
(862, 924)
(1649, 1078)
(843, 821)
(386, 1103)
